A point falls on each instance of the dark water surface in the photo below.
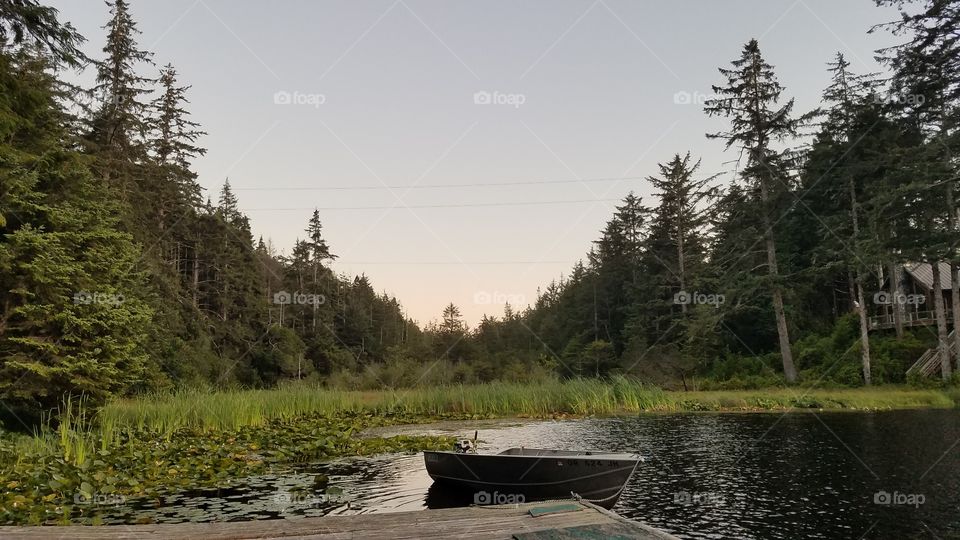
(730, 475)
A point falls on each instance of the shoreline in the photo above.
(156, 445)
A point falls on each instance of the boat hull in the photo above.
(508, 479)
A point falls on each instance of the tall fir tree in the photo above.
(71, 318)
(119, 128)
(925, 92)
(750, 98)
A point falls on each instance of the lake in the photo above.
(744, 475)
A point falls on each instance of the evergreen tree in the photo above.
(846, 185)
(451, 334)
(319, 251)
(615, 263)
(71, 320)
(28, 23)
(750, 99)
(925, 92)
(674, 254)
(119, 129)
(681, 220)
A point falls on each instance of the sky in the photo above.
(460, 151)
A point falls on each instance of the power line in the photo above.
(438, 186)
(451, 263)
(417, 206)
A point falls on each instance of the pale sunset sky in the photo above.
(460, 151)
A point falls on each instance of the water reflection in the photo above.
(707, 476)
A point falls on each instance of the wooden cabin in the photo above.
(915, 299)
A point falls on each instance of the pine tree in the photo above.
(71, 318)
(615, 262)
(174, 139)
(452, 332)
(26, 22)
(119, 129)
(228, 207)
(850, 99)
(319, 251)
(926, 93)
(681, 219)
(673, 258)
(749, 98)
(175, 194)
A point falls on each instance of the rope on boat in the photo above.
(578, 497)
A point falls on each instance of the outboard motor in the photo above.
(466, 446)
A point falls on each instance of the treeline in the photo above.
(772, 278)
(117, 275)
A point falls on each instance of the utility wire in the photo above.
(416, 206)
(437, 186)
(452, 263)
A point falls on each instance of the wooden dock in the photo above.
(531, 521)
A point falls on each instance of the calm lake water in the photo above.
(799, 475)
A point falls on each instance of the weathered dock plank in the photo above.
(475, 523)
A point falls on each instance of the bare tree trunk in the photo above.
(196, 275)
(955, 307)
(954, 279)
(789, 371)
(942, 348)
(683, 306)
(858, 281)
(836, 308)
(895, 294)
(852, 290)
(313, 325)
(864, 331)
(223, 299)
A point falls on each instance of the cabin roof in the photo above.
(922, 273)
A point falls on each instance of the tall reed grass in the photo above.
(165, 413)
(77, 436)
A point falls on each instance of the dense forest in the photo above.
(117, 274)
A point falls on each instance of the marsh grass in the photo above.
(155, 444)
(195, 432)
(875, 398)
(76, 435)
(164, 414)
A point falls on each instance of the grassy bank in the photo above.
(164, 414)
(232, 409)
(783, 399)
(153, 445)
